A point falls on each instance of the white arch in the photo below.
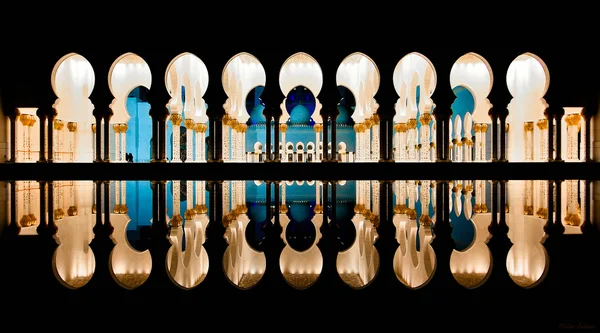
(126, 73)
(473, 72)
(528, 80)
(301, 69)
(72, 81)
(360, 75)
(242, 73)
(187, 64)
(410, 64)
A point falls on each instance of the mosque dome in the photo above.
(300, 115)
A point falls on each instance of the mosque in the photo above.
(382, 113)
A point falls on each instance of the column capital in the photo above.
(176, 119)
(72, 126)
(190, 124)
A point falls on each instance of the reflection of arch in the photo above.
(301, 69)
(413, 268)
(73, 262)
(188, 268)
(301, 269)
(410, 65)
(471, 267)
(129, 267)
(358, 265)
(473, 72)
(527, 261)
(359, 74)
(242, 73)
(243, 265)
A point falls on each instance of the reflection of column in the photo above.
(375, 187)
(480, 200)
(542, 124)
(573, 126)
(529, 195)
(573, 215)
(411, 141)
(425, 119)
(176, 122)
(124, 209)
(176, 218)
(72, 127)
(425, 219)
(117, 129)
(189, 198)
(411, 189)
(375, 141)
(189, 138)
(528, 127)
(226, 201)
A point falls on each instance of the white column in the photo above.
(72, 127)
(375, 142)
(117, 129)
(402, 144)
(542, 125)
(189, 140)
(244, 148)
(528, 128)
(572, 122)
(425, 137)
(55, 140)
(124, 128)
(225, 133)
(176, 122)
(358, 153)
(412, 140)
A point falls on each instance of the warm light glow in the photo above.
(126, 73)
(241, 74)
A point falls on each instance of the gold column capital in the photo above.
(528, 126)
(425, 118)
(72, 126)
(190, 124)
(283, 127)
(319, 127)
(176, 119)
(542, 124)
(411, 124)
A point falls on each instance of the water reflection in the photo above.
(303, 210)
(187, 260)
(414, 261)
